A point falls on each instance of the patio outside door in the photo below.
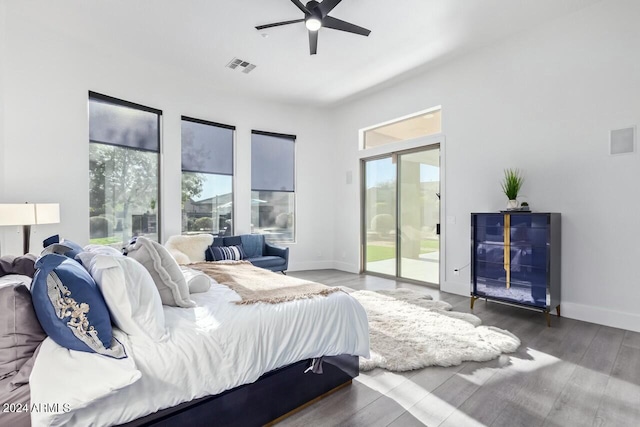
(402, 215)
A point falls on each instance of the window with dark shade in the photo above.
(273, 186)
(124, 126)
(207, 177)
(207, 148)
(124, 159)
(272, 162)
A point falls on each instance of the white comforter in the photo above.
(211, 348)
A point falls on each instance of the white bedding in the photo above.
(211, 348)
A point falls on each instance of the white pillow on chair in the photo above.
(193, 246)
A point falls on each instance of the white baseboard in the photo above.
(311, 265)
(463, 289)
(601, 316)
(345, 266)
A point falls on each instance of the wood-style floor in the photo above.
(572, 374)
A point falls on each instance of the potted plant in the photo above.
(511, 185)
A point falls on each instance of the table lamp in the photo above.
(28, 214)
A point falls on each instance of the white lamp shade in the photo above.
(47, 213)
(17, 214)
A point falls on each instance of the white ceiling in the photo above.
(202, 36)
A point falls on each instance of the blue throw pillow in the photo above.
(74, 248)
(223, 241)
(224, 253)
(71, 308)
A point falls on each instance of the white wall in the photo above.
(543, 102)
(47, 79)
(2, 96)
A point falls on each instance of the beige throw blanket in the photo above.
(255, 284)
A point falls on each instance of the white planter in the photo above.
(512, 204)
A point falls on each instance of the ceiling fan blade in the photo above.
(327, 6)
(277, 24)
(300, 6)
(313, 42)
(338, 24)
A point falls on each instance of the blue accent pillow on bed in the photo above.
(224, 253)
(74, 248)
(71, 308)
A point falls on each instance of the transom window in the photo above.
(416, 126)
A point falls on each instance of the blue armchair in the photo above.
(259, 252)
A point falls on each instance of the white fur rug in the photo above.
(408, 330)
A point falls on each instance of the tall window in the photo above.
(273, 185)
(207, 177)
(124, 156)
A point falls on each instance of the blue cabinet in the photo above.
(515, 258)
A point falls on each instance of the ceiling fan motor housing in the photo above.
(314, 10)
(316, 16)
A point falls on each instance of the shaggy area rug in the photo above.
(409, 330)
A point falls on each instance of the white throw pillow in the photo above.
(85, 259)
(193, 246)
(64, 379)
(131, 295)
(103, 250)
(196, 280)
(164, 270)
(91, 251)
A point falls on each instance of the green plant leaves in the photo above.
(512, 183)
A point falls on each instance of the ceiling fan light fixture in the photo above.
(316, 16)
(312, 23)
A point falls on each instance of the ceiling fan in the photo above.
(316, 16)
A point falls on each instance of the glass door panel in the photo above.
(380, 216)
(419, 215)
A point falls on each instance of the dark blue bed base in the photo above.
(272, 396)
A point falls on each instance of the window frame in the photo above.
(233, 163)
(128, 104)
(294, 138)
(363, 131)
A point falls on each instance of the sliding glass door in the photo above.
(380, 216)
(419, 215)
(401, 215)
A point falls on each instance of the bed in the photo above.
(222, 363)
(14, 411)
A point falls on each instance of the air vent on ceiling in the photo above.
(239, 64)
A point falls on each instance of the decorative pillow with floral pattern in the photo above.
(71, 308)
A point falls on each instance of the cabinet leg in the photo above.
(548, 316)
(473, 300)
(558, 310)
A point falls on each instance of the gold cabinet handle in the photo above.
(507, 248)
